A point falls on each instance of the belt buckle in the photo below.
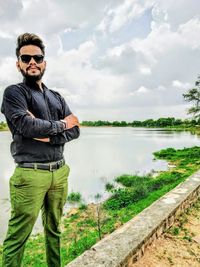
(60, 163)
(50, 167)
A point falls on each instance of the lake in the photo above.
(97, 157)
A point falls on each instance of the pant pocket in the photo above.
(16, 179)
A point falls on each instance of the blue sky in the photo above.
(110, 59)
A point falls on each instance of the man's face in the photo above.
(32, 69)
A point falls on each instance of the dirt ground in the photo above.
(179, 246)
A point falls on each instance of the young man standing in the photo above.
(41, 123)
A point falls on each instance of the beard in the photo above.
(32, 78)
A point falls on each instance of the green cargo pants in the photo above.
(30, 191)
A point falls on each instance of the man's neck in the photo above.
(40, 84)
(34, 83)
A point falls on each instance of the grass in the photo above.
(74, 197)
(135, 193)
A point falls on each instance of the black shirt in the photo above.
(48, 107)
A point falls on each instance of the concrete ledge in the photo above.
(128, 243)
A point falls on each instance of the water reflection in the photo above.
(97, 157)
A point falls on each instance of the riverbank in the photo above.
(129, 194)
(179, 246)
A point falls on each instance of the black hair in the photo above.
(29, 39)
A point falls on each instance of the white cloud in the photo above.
(181, 85)
(114, 67)
(86, 85)
(142, 89)
(8, 69)
(161, 88)
(190, 32)
(145, 70)
(117, 17)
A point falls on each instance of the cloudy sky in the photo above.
(110, 59)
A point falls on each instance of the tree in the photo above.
(193, 96)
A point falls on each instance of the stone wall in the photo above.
(128, 243)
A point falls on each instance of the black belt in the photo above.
(51, 166)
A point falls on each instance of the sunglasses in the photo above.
(27, 58)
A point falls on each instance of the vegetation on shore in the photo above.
(169, 122)
(129, 195)
(74, 197)
(3, 126)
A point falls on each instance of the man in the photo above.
(41, 123)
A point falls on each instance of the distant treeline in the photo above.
(162, 122)
(3, 125)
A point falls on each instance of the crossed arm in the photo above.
(70, 121)
(23, 122)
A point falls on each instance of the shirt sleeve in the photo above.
(14, 107)
(68, 134)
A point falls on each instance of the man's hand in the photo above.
(45, 140)
(30, 114)
(71, 121)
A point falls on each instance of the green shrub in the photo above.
(123, 197)
(131, 180)
(74, 197)
(82, 206)
(109, 187)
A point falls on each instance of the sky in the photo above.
(110, 59)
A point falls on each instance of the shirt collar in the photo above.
(34, 84)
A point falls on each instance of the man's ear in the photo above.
(17, 65)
